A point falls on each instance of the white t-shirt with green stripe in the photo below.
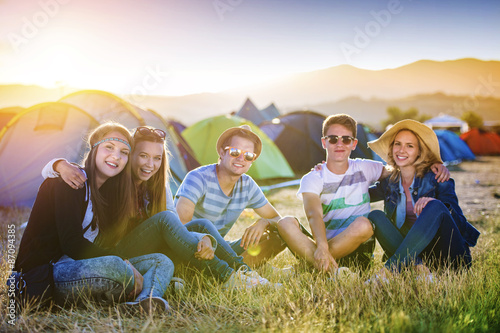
(343, 197)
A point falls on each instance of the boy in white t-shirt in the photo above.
(336, 199)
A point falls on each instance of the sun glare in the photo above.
(58, 64)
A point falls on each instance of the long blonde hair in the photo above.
(112, 203)
(423, 162)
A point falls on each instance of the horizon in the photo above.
(70, 89)
(167, 48)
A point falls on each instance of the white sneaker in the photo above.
(147, 305)
(240, 280)
(262, 281)
(176, 285)
(344, 273)
(286, 272)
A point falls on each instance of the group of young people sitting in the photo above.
(114, 231)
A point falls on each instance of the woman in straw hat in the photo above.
(421, 218)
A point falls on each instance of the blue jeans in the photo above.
(109, 279)
(165, 233)
(224, 250)
(434, 235)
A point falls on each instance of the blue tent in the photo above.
(270, 112)
(250, 112)
(453, 149)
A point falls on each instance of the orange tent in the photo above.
(482, 143)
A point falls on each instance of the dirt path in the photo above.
(478, 187)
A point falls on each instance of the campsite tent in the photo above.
(31, 139)
(250, 112)
(362, 150)
(185, 150)
(202, 137)
(270, 112)
(106, 106)
(444, 121)
(301, 131)
(6, 114)
(453, 149)
(298, 136)
(482, 143)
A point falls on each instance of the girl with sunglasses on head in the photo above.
(157, 225)
(77, 230)
(422, 218)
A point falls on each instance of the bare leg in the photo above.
(301, 245)
(269, 248)
(358, 232)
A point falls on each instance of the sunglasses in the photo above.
(333, 139)
(235, 152)
(146, 131)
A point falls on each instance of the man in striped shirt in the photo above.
(220, 192)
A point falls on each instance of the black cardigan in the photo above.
(55, 227)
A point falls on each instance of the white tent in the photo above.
(444, 121)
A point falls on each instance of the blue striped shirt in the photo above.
(201, 186)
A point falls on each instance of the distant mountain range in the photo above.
(432, 87)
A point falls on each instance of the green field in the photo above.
(456, 302)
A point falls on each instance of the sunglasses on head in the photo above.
(155, 132)
(235, 152)
(333, 139)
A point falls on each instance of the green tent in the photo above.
(202, 137)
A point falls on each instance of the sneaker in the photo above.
(149, 305)
(176, 285)
(240, 280)
(262, 281)
(377, 280)
(286, 272)
(428, 278)
(344, 273)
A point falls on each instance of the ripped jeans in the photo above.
(110, 279)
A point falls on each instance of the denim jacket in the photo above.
(425, 187)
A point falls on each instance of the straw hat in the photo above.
(234, 131)
(381, 145)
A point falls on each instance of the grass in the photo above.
(463, 301)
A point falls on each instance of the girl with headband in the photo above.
(78, 230)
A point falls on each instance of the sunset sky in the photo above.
(181, 47)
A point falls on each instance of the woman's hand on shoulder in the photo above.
(71, 174)
(318, 166)
(420, 204)
(441, 171)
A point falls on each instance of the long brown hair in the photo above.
(112, 203)
(156, 185)
(423, 162)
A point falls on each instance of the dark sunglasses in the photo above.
(146, 131)
(333, 139)
(235, 152)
